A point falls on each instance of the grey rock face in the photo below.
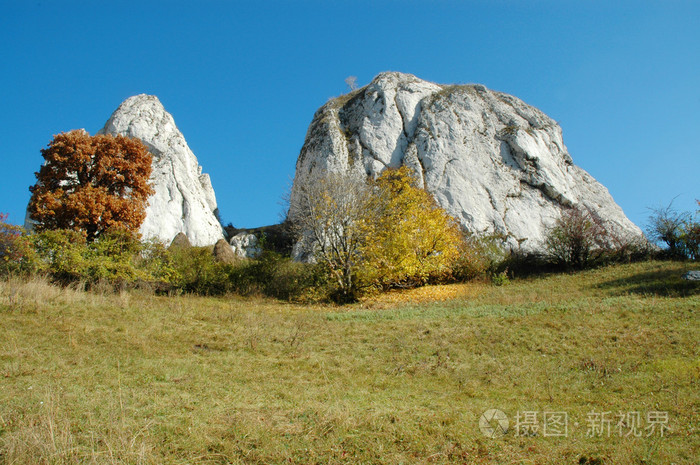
(184, 200)
(692, 275)
(493, 162)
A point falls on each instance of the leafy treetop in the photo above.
(91, 184)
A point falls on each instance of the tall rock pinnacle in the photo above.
(493, 162)
(184, 199)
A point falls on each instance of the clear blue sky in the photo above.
(243, 80)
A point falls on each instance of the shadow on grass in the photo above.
(662, 282)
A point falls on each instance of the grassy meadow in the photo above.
(400, 378)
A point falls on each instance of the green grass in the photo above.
(135, 378)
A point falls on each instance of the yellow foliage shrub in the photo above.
(410, 239)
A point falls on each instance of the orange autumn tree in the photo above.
(91, 184)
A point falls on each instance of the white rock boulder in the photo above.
(493, 162)
(246, 245)
(184, 200)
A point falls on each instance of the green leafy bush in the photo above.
(16, 252)
(298, 282)
(479, 256)
(196, 271)
(500, 279)
(690, 239)
(63, 254)
(117, 258)
(276, 276)
(577, 239)
(628, 250)
(678, 232)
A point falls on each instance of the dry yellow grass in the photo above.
(136, 378)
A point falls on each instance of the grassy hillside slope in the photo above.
(402, 378)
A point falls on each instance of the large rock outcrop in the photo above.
(184, 200)
(493, 162)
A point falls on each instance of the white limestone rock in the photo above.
(184, 200)
(246, 245)
(493, 162)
